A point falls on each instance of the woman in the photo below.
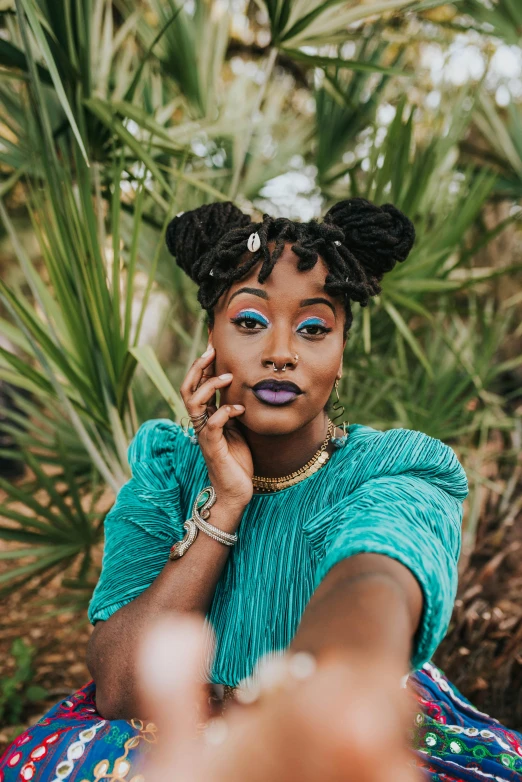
(287, 532)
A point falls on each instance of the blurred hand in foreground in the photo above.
(346, 722)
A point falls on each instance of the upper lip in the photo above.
(277, 385)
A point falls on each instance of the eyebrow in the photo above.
(304, 303)
(318, 300)
(254, 291)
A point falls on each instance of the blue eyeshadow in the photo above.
(313, 322)
(252, 315)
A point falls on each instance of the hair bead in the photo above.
(254, 242)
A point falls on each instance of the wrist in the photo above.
(232, 501)
(231, 490)
(224, 531)
(226, 514)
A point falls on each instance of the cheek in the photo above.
(324, 360)
(321, 376)
(229, 359)
(321, 381)
(233, 351)
(223, 351)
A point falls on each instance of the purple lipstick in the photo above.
(276, 392)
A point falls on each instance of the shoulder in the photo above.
(375, 454)
(156, 439)
(159, 454)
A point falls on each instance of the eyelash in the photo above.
(242, 318)
(316, 325)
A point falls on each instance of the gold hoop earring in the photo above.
(340, 411)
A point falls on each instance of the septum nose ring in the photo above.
(283, 369)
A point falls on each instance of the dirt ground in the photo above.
(59, 661)
(482, 653)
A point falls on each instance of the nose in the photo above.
(279, 353)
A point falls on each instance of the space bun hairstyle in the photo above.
(358, 241)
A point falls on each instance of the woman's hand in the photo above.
(226, 453)
(342, 724)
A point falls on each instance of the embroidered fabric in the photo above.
(451, 740)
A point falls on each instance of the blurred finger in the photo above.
(169, 670)
(403, 772)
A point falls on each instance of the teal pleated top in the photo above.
(397, 492)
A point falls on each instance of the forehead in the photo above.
(285, 280)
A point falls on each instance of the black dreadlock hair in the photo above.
(358, 241)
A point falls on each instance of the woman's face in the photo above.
(258, 325)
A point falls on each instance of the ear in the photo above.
(340, 370)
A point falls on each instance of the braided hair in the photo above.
(358, 241)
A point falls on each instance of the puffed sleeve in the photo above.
(406, 504)
(145, 519)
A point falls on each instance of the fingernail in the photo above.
(238, 407)
(226, 376)
(207, 352)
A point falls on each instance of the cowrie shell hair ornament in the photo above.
(337, 242)
(254, 242)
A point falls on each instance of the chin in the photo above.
(273, 420)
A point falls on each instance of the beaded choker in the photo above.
(317, 461)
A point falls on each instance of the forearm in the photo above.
(368, 609)
(184, 585)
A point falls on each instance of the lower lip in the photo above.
(270, 397)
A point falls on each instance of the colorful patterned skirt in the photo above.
(452, 741)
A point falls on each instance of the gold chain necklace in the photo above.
(317, 461)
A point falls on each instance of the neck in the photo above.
(277, 455)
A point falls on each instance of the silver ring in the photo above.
(199, 422)
(283, 369)
(201, 426)
(198, 417)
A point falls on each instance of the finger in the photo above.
(169, 671)
(200, 399)
(215, 424)
(193, 376)
(206, 375)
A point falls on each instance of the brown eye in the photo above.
(250, 322)
(313, 328)
(314, 331)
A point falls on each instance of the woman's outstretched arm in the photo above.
(368, 606)
(386, 583)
